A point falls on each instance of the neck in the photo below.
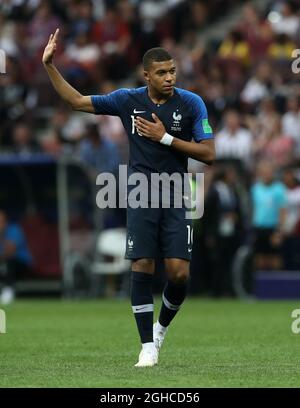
(156, 97)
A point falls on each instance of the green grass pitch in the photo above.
(95, 344)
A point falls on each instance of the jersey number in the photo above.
(190, 232)
(133, 126)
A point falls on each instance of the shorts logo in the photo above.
(130, 243)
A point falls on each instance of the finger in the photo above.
(144, 121)
(143, 134)
(55, 35)
(50, 38)
(142, 126)
(143, 131)
(156, 119)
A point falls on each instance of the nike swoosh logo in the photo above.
(140, 308)
(136, 111)
(190, 249)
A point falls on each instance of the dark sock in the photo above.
(142, 304)
(173, 296)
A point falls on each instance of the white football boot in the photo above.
(148, 356)
(159, 333)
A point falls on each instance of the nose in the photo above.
(169, 77)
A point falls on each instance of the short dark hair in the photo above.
(157, 54)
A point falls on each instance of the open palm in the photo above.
(50, 48)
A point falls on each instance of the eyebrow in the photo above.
(165, 70)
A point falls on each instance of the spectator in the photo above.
(233, 141)
(68, 125)
(100, 154)
(82, 52)
(234, 59)
(257, 31)
(275, 146)
(269, 202)
(44, 22)
(24, 141)
(262, 125)
(282, 48)
(13, 92)
(235, 48)
(288, 21)
(224, 223)
(81, 17)
(15, 259)
(292, 221)
(113, 36)
(291, 122)
(257, 87)
(291, 225)
(279, 147)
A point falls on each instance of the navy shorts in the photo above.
(158, 233)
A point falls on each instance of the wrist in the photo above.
(166, 139)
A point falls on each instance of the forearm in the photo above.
(62, 87)
(203, 151)
(199, 151)
(282, 218)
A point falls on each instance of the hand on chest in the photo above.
(174, 119)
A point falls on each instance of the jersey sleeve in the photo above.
(111, 103)
(201, 128)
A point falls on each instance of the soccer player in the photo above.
(165, 125)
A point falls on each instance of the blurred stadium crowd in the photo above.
(245, 78)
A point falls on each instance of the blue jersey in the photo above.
(184, 116)
(14, 234)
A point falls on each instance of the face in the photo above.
(293, 104)
(231, 176)
(266, 172)
(232, 121)
(161, 77)
(288, 178)
(250, 14)
(22, 135)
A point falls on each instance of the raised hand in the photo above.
(50, 48)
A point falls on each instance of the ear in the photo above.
(146, 76)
